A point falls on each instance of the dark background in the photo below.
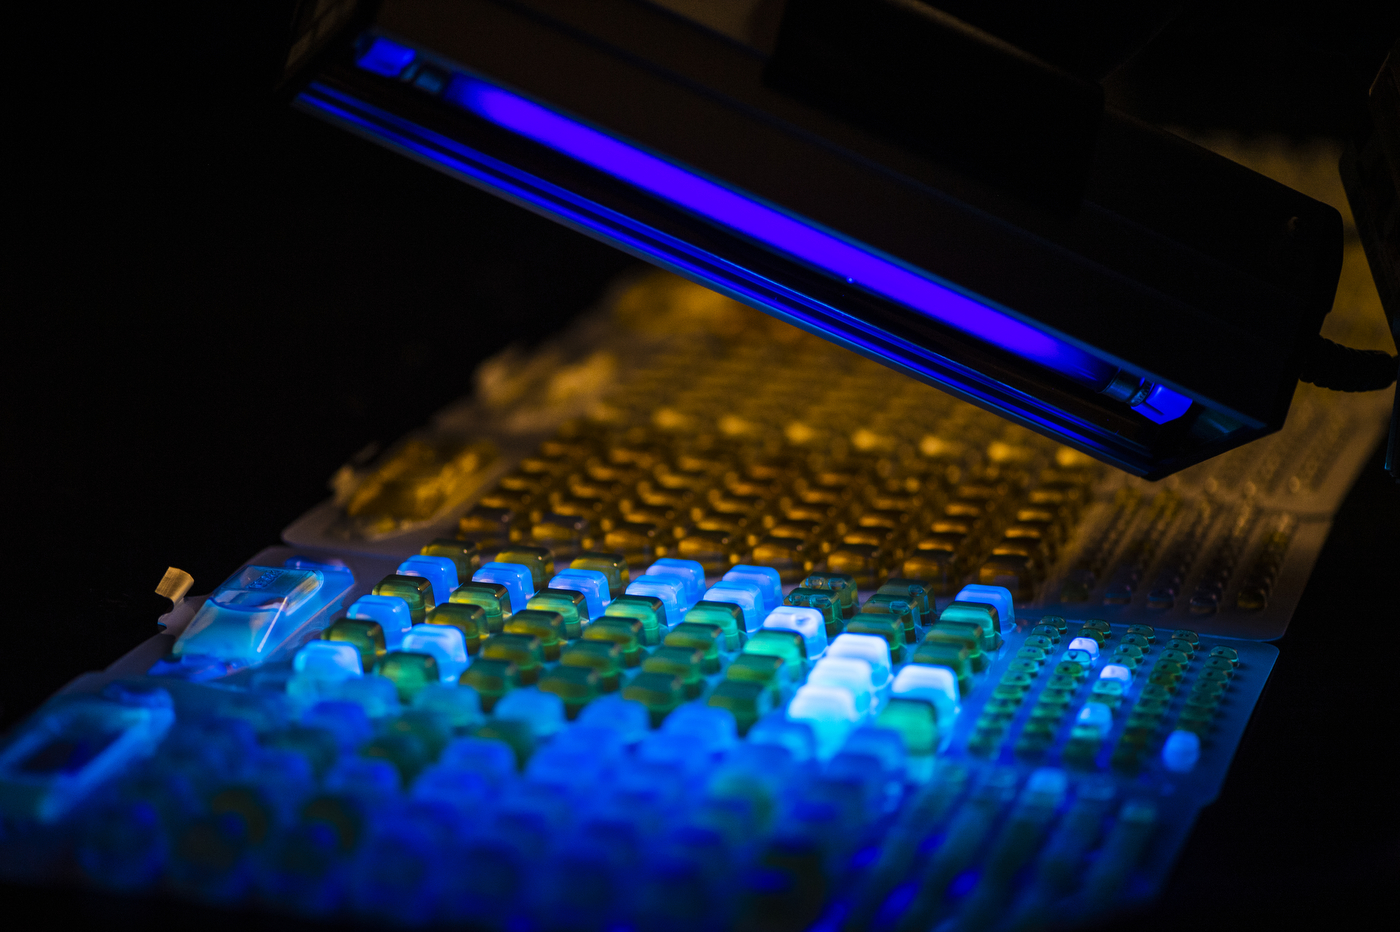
(211, 302)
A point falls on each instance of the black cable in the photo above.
(1343, 369)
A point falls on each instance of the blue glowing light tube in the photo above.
(779, 231)
(797, 238)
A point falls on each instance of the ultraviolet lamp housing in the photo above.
(889, 178)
